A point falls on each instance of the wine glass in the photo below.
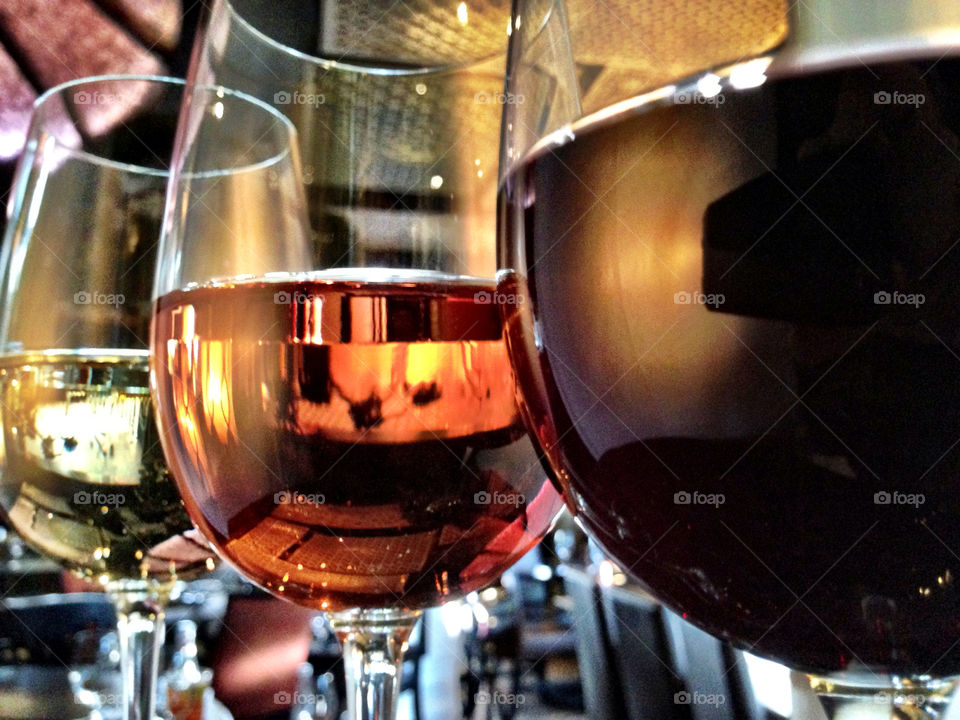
(753, 213)
(83, 476)
(342, 420)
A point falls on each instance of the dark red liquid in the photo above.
(350, 443)
(724, 298)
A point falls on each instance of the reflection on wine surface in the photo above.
(84, 478)
(740, 350)
(348, 442)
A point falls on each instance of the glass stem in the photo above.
(901, 699)
(140, 632)
(374, 642)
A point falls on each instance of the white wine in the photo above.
(84, 479)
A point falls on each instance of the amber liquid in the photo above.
(84, 480)
(350, 443)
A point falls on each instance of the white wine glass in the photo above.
(83, 478)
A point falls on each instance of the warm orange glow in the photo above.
(423, 362)
(215, 388)
(424, 390)
(313, 308)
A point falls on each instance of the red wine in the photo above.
(350, 442)
(739, 348)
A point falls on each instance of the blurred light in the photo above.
(771, 684)
(489, 595)
(11, 142)
(423, 363)
(609, 575)
(709, 85)
(481, 613)
(749, 74)
(218, 110)
(421, 89)
(436, 182)
(453, 615)
(462, 13)
(541, 572)
(605, 573)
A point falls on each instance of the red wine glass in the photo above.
(735, 231)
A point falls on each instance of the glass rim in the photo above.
(57, 90)
(328, 64)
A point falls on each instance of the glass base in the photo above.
(857, 697)
(374, 642)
